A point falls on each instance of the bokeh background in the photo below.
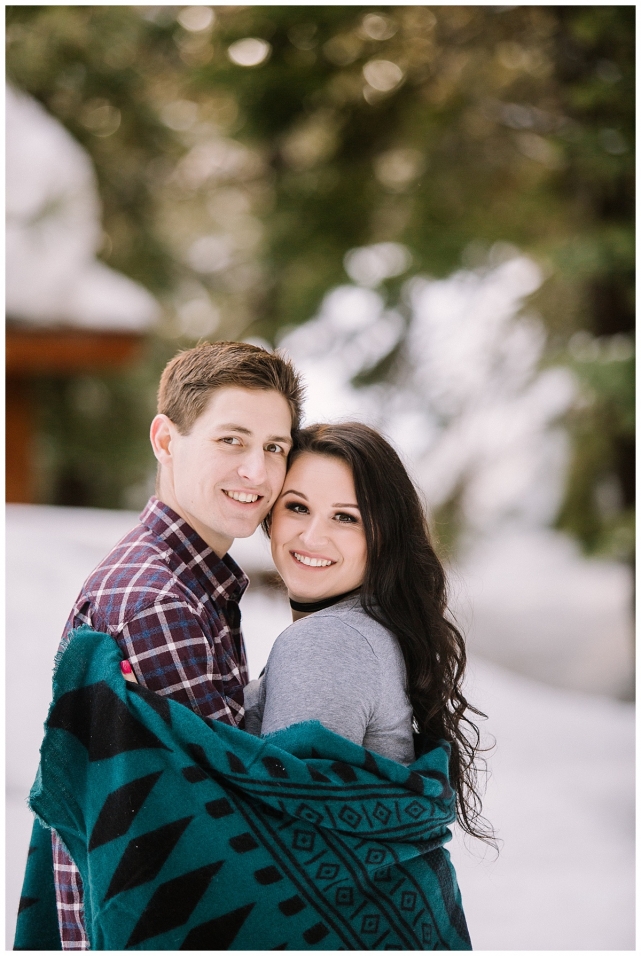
(431, 209)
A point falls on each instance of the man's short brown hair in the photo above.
(191, 376)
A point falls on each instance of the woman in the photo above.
(371, 654)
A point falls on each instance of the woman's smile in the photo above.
(311, 561)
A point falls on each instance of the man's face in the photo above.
(224, 476)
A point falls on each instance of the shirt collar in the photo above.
(228, 579)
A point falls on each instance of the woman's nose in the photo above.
(314, 533)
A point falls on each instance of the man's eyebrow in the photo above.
(232, 427)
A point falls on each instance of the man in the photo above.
(168, 592)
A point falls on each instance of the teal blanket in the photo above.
(191, 834)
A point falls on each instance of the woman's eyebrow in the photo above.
(341, 505)
(292, 491)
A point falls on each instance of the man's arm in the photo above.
(69, 897)
(174, 652)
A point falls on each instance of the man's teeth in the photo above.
(312, 562)
(241, 496)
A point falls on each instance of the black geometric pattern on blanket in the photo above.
(193, 836)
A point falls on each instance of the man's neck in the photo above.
(219, 544)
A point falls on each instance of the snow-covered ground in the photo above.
(562, 772)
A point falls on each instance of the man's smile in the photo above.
(246, 497)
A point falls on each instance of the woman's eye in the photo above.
(344, 518)
(296, 507)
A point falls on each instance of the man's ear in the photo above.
(161, 433)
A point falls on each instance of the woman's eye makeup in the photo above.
(296, 507)
(342, 517)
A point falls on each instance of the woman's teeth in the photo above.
(313, 562)
(241, 496)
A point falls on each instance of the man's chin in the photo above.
(245, 528)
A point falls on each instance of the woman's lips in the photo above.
(311, 561)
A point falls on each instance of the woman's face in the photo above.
(317, 535)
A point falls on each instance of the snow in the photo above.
(561, 788)
(561, 797)
(529, 600)
(54, 231)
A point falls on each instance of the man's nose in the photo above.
(253, 467)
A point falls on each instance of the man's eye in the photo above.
(276, 449)
(296, 507)
(231, 440)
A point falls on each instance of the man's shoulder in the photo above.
(136, 574)
(161, 566)
(139, 547)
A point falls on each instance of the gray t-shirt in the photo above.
(342, 668)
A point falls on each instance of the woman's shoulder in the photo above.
(328, 621)
(353, 615)
(344, 623)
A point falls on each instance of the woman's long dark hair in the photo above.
(405, 590)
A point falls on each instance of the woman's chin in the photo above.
(311, 588)
(307, 597)
(310, 595)
(308, 586)
(313, 595)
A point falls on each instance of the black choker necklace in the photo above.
(320, 605)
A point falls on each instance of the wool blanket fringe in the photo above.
(191, 834)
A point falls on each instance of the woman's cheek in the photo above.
(281, 527)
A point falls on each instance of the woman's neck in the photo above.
(303, 608)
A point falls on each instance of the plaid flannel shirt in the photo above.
(172, 606)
